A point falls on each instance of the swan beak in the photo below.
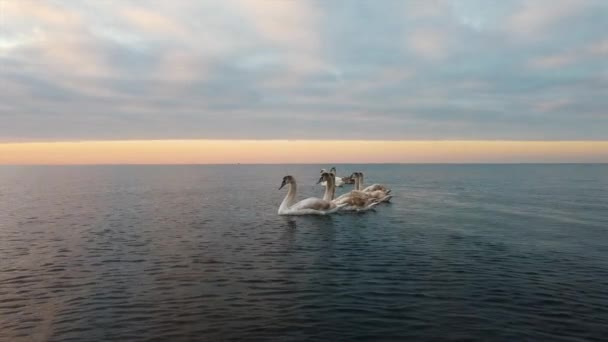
(320, 180)
(282, 185)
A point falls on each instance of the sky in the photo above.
(390, 72)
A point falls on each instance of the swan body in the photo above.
(357, 201)
(373, 187)
(308, 206)
(377, 191)
(376, 187)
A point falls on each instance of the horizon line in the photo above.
(315, 163)
(371, 140)
(223, 152)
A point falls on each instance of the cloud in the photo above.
(153, 22)
(291, 23)
(536, 17)
(303, 70)
(428, 43)
(555, 61)
(599, 48)
(552, 105)
(427, 9)
(594, 52)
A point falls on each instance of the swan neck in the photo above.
(360, 185)
(333, 190)
(330, 190)
(290, 197)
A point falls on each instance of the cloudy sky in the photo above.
(315, 70)
(283, 69)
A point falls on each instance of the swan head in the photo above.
(286, 180)
(326, 177)
(323, 170)
(332, 170)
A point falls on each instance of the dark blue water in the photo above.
(480, 252)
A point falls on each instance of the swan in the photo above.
(352, 201)
(378, 191)
(339, 180)
(376, 195)
(372, 187)
(309, 206)
(355, 191)
(345, 180)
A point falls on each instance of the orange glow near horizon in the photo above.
(299, 151)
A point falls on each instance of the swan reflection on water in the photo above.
(291, 223)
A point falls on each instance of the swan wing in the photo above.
(376, 187)
(343, 196)
(377, 194)
(302, 212)
(335, 208)
(370, 206)
(356, 208)
(312, 206)
(371, 188)
(380, 196)
(356, 199)
(312, 203)
(352, 193)
(386, 198)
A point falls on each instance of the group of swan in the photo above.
(340, 181)
(355, 200)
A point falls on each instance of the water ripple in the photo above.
(146, 253)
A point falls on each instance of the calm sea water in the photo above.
(482, 252)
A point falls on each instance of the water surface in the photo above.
(482, 252)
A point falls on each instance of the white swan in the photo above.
(373, 187)
(339, 180)
(352, 201)
(309, 206)
(377, 191)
